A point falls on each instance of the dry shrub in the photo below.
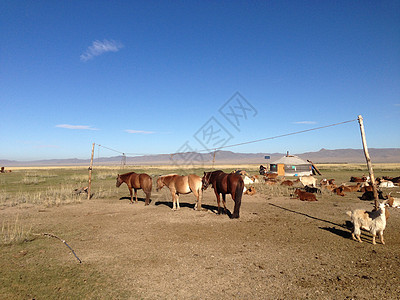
(276, 190)
(49, 197)
(14, 233)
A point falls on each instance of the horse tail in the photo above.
(147, 187)
(238, 198)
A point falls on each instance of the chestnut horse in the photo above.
(137, 182)
(223, 183)
(181, 185)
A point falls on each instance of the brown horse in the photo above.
(223, 183)
(137, 182)
(181, 185)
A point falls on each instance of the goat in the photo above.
(247, 180)
(386, 184)
(308, 180)
(310, 189)
(327, 181)
(372, 221)
(393, 202)
(255, 178)
(305, 196)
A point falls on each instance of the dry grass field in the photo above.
(280, 248)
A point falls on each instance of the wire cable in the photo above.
(238, 144)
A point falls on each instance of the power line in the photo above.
(283, 135)
(239, 144)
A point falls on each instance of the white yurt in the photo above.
(291, 165)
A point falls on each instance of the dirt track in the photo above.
(280, 248)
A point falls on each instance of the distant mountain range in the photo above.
(378, 155)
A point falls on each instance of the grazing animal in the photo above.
(372, 221)
(310, 189)
(270, 181)
(136, 182)
(351, 188)
(305, 196)
(358, 179)
(271, 175)
(386, 184)
(367, 188)
(181, 185)
(393, 202)
(327, 181)
(369, 195)
(247, 180)
(308, 180)
(330, 187)
(395, 179)
(287, 183)
(241, 172)
(338, 191)
(81, 190)
(250, 191)
(223, 183)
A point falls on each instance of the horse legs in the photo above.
(147, 202)
(177, 201)
(135, 195)
(218, 202)
(198, 195)
(224, 202)
(130, 191)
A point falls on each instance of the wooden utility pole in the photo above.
(369, 164)
(215, 152)
(90, 173)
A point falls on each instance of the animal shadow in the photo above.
(333, 229)
(170, 204)
(337, 231)
(212, 208)
(139, 199)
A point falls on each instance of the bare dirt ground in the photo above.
(280, 248)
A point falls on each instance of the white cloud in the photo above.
(305, 122)
(100, 47)
(79, 127)
(139, 131)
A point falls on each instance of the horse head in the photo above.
(119, 181)
(160, 183)
(205, 181)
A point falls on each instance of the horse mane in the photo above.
(126, 175)
(167, 178)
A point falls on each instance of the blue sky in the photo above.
(151, 77)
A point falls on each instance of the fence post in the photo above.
(368, 159)
(90, 173)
